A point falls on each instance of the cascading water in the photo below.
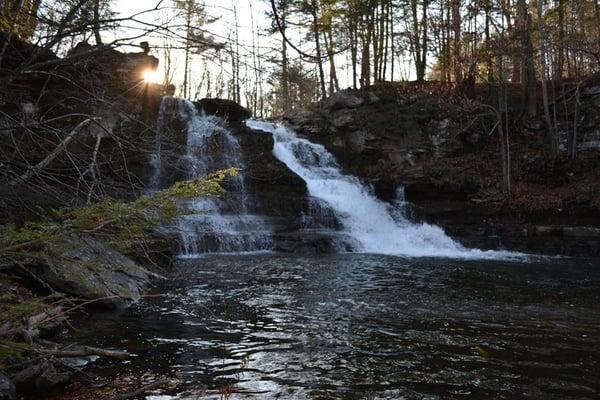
(213, 225)
(375, 226)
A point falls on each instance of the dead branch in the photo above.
(44, 163)
(85, 351)
(141, 390)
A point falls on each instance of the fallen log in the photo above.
(85, 351)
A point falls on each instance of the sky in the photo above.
(221, 30)
(249, 12)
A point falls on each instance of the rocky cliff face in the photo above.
(443, 150)
(385, 134)
(440, 152)
(97, 100)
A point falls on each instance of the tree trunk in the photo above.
(381, 46)
(375, 42)
(333, 79)
(503, 129)
(456, 48)
(416, 41)
(366, 54)
(528, 74)
(96, 27)
(488, 50)
(186, 62)
(560, 61)
(550, 137)
(354, 55)
(573, 138)
(285, 84)
(387, 40)
(424, 43)
(392, 44)
(316, 31)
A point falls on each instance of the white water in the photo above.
(376, 226)
(213, 225)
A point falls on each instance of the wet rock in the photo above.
(50, 378)
(423, 190)
(40, 378)
(582, 232)
(304, 121)
(88, 269)
(276, 190)
(312, 242)
(7, 389)
(547, 230)
(226, 109)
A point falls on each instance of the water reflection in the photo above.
(369, 327)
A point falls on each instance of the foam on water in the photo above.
(377, 227)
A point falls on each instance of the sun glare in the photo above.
(150, 76)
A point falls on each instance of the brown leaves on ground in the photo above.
(97, 388)
(570, 185)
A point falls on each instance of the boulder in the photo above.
(50, 377)
(39, 378)
(19, 50)
(344, 99)
(275, 189)
(7, 389)
(342, 118)
(89, 269)
(227, 109)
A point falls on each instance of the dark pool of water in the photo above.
(367, 327)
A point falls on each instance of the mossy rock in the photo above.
(88, 269)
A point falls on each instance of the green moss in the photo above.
(123, 221)
(10, 311)
(9, 348)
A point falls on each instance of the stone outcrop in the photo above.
(85, 268)
(226, 109)
(377, 133)
(440, 147)
(278, 192)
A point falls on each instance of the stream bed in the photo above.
(359, 326)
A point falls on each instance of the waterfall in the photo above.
(375, 226)
(212, 225)
(156, 157)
